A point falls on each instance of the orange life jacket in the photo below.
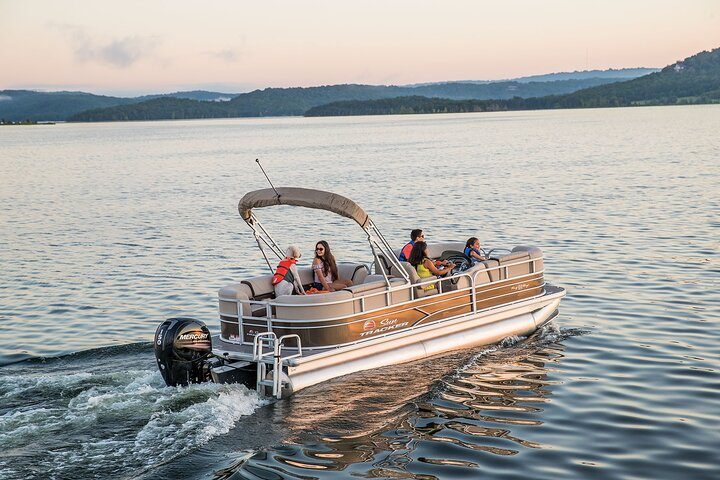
(283, 271)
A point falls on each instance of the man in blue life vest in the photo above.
(416, 235)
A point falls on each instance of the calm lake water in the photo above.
(108, 229)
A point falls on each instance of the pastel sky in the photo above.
(130, 47)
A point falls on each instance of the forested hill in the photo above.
(296, 101)
(19, 105)
(691, 81)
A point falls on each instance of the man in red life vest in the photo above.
(286, 278)
(415, 235)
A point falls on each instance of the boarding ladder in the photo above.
(267, 350)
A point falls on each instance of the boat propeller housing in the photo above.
(182, 349)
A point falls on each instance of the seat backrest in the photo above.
(493, 272)
(353, 271)
(374, 295)
(535, 254)
(409, 269)
(437, 249)
(515, 263)
(261, 287)
(306, 275)
(382, 264)
(308, 307)
(229, 295)
(477, 272)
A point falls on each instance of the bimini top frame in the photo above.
(309, 198)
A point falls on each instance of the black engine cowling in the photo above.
(182, 349)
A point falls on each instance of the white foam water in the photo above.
(124, 420)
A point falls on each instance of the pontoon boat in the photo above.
(389, 316)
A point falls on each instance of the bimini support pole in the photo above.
(260, 233)
(387, 251)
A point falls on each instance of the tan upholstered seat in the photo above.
(477, 272)
(415, 278)
(261, 287)
(535, 254)
(234, 292)
(434, 251)
(353, 271)
(313, 306)
(514, 264)
(493, 272)
(374, 295)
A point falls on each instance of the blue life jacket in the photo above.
(468, 250)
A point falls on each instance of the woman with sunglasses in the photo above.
(325, 269)
(424, 266)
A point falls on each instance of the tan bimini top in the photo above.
(302, 197)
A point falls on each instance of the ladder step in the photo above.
(270, 383)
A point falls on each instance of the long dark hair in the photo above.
(328, 260)
(417, 254)
(471, 241)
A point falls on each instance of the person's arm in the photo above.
(318, 269)
(430, 265)
(298, 283)
(476, 255)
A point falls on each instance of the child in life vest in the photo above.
(286, 278)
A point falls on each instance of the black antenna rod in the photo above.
(266, 176)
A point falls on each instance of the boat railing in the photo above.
(268, 306)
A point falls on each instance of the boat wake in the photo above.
(95, 415)
(472, 400)
(100, 412)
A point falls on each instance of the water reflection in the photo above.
(373, 424)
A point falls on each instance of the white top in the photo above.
(318, 270)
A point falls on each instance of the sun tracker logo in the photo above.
(369, 325)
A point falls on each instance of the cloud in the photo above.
(230, 55)
(120, 53)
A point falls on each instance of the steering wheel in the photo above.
(460, 266)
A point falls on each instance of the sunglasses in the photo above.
(320, 249)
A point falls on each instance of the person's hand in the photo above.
(331, 289)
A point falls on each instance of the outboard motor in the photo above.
(182, 349)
